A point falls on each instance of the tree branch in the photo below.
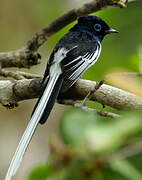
(69, 17)
(14, 91)
(28, 56)
(17, 75)
(106, 95)
(85, 108)
(20, 58)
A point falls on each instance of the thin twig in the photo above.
(131, 74)
(108, 114)
(28, 75)
(101, 113)
(13, 74)
(85, 108)
(18, 75)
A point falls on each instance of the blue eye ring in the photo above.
(97, 27)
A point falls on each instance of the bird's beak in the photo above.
(111, 31)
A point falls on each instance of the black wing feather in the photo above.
(77, 61)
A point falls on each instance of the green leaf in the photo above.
(41, 173)
(84, 131)
(74, 125)
(106, 137)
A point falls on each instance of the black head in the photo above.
(94, 25)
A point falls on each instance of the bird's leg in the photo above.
(86, 99)
(91, 93)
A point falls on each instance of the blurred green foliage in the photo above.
(41, 173)
(96, 148)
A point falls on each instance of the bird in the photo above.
(74, 53)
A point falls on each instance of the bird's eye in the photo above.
(97, 27)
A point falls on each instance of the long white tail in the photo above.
(36, 117)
